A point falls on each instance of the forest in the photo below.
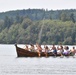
(38, 25)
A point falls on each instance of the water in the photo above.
(11, 65)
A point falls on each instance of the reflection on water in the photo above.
(11, 65)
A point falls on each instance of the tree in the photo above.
(26, 22)
(68, 41)
(19, 18)
(63, 16)
(72, 18)
(8, 22)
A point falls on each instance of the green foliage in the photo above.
(42, 26)
(72, 18)
(26, 22)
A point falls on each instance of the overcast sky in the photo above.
(7, 5)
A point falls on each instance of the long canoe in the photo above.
(24, 53)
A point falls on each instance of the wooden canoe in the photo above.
(24, 53)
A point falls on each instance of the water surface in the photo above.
(11, 65)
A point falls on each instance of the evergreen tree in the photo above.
(72, 18)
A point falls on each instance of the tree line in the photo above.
(44, 27)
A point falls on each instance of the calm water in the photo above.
(11, 65)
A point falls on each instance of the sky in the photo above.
(8, 5)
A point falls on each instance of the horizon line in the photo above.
(37, 8)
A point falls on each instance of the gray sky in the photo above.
(7, 5)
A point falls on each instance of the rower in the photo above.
(54, 50)
(39, 49)
(32, 48)
(72, 51)
(46, 50)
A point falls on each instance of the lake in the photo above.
(11, 65)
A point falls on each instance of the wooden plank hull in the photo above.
(24, 53)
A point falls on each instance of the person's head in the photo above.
(67, 47)
(46, 47)
(73, 47)
(32, 45)
(61, 47)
